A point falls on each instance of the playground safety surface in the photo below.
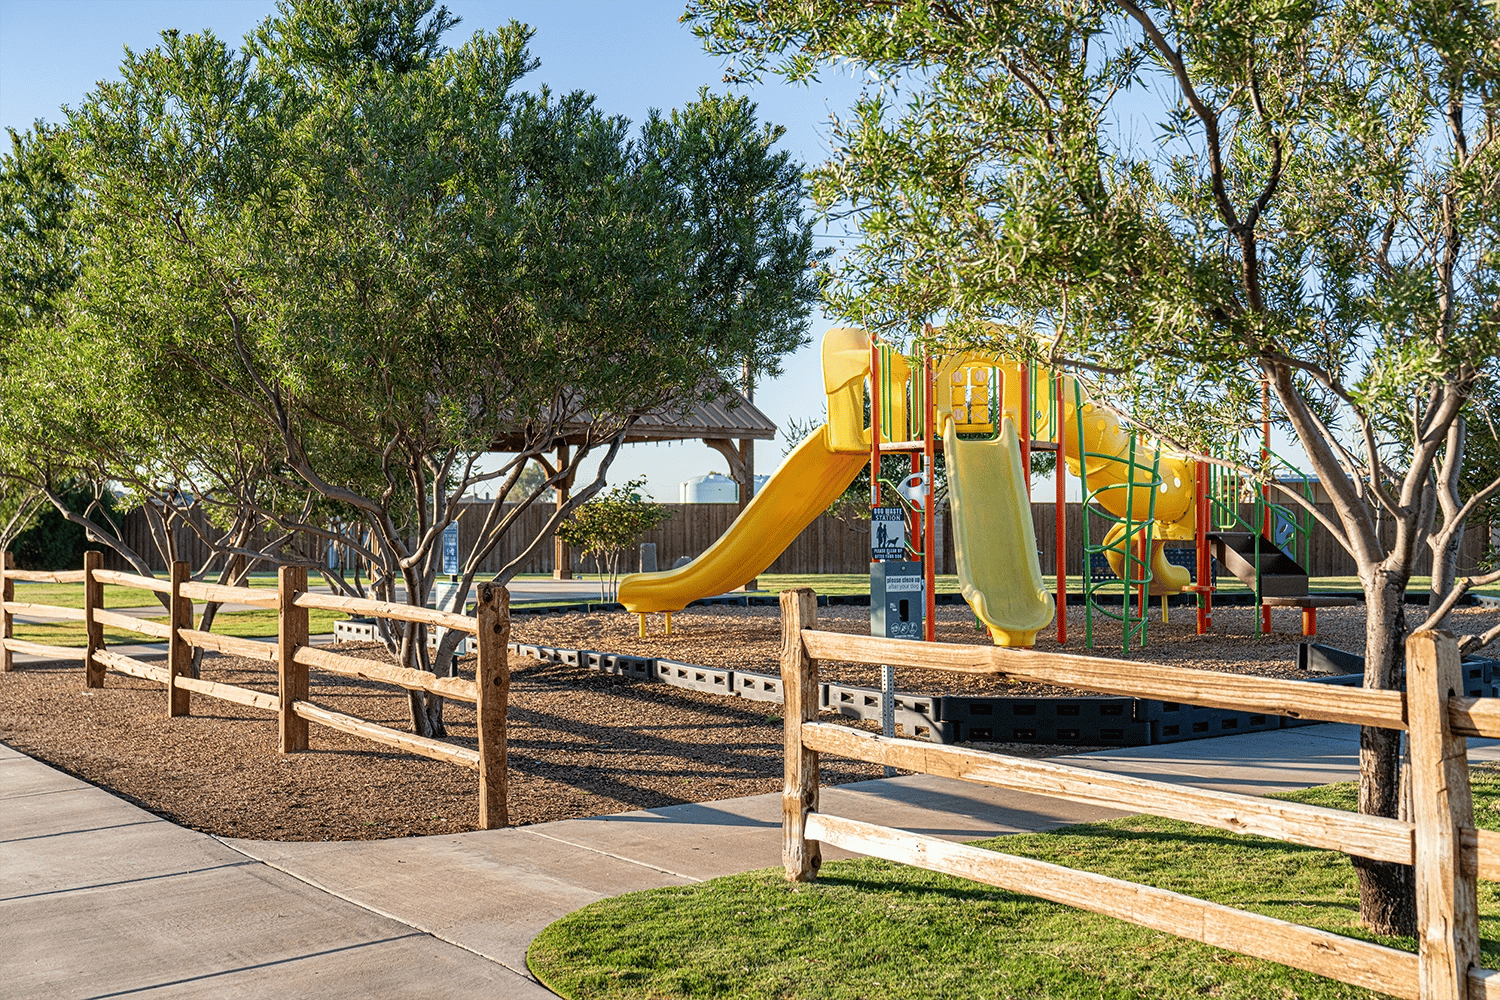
(581, 743)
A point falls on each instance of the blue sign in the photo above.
(887, 533)
(450, 549)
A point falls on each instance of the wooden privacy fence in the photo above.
(1440, 841)
(294, 657)
(828, 545)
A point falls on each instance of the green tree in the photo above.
(1197, 199)
(608, 525)
(334, 271)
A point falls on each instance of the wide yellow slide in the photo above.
(810, 479)
(993, 537)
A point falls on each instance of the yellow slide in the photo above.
(993, 537)
(812, 477)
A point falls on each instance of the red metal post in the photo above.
(1060, 550)
(1200, 542)
(874, 423)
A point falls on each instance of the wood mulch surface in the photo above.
(581, 743)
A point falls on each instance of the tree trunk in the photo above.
(1445, 566)
(1387, 892)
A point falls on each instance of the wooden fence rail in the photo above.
(1440, 841)
(294, 656)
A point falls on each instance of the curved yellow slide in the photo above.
(1107, 465)
(812, 477)
(1106, 470)
(993, 537)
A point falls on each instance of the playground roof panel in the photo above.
(731, 417)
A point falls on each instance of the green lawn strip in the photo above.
(872, 928)
(247, 624)
(70, 595)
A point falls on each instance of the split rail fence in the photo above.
(294, 657)
(1441, 841)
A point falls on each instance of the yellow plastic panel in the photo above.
(993, 537)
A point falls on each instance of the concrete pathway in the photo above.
(101, 899)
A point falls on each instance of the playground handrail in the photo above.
(1440, 840)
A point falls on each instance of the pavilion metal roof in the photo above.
(731, 417)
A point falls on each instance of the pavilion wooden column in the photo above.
(741, 459)
(562, 556)
(747, 486)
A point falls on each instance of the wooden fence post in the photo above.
(179, 653)
(1447, 904)
(7, 594)
(291, 677)
(93, 599)
(799, 684)
(492, 680)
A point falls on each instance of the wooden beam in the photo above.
(800, 853)
(1208, 688)
(230, 692)
(345, 665)
(42, 576)
(41, 649)
(7, 596)
(130, 665)
(132, 580)
(260, 597)
(230, 645)
(291, 675)
(1332, 829)
(492, 687)
(436, 749)
(179, 653)
(45, 611)
(1447, 899)
(93, 599)
(1478, 717)
(388, 609)
(1360, 963)
(1484, 984)
(130, 623)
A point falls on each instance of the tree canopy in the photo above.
(308, 284)
(1197, 200)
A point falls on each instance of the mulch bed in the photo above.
(581, 743)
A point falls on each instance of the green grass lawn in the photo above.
(70, 595)
(247, 624)
(871, 928)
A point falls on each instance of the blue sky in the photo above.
(632, 54)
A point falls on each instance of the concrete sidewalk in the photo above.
(101, 899)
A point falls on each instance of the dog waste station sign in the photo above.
(887, 534)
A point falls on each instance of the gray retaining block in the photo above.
(1172, 722)
(354, 630)
(695, 677)
(638, 667)
(1083, 720)
(759, 687)
(916, 715)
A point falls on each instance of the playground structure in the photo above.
(987, 414)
